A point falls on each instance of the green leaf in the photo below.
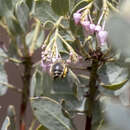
(36, 88)
(41, 84)
(29, 4)
(71, 5)
(84, 79)
(39, 41)
(77, 29)
(114, 86)
(13, 25)
(66, 34)
(49, 113)
(12, 50)
(61, 47)
(6, 8)
(14, 2)
(66, 86)
(60, 7)
(22, 13)
(112, 73)
(99, 3)
(43, 11)
(6, 124)
(41, 127)
(3, 75)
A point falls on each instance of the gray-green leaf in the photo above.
(41, 127)
(112, 73)
(6, 7)
(60, 7)
(43, 11)
(39, 41)
(114, 86)
(22, 13)
(13, 25)
(49, 114)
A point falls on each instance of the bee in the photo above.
(58, 69)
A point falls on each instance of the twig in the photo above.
(11, 86)
(11, 59)
(52, 30)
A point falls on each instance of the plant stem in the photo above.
(27, 63)
(11, 86)
(91, 97)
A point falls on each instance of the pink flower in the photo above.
(101, 37)
(98, 28)
(71, 54)
(92, 28)
(80, 57)
(85, 25)
(45, 66)
(68, 61)
(77, 17)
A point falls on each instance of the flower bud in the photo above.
(98, 28)
(92, 28)
(68, 61)
(71, 54)
(77, 17)
(43, 46)
(101, 37)
(85, 25)
(45, 66)
(80, 57)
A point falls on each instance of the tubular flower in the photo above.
(92, 29)
(85, 24)
(102, 37)
(98, 28)
(77, 17)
